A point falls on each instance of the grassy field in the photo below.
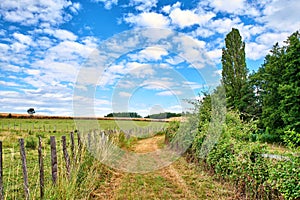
(11, 129)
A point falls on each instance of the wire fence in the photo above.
(27, 170)
(27, 167)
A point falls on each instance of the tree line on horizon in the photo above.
(164, 115)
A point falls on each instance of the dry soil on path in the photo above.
(180, 180)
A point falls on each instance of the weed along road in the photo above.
(180, 180)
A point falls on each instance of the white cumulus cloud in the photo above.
(32, 12)
(148, 19)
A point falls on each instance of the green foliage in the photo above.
(171, 130)
(31, 143)
(268, 99)
(124, 114)
(40, 135)
(269, 138)
(236, 159)
(165, 115)
(277, 84)
(234, 73)
(123, 141)
(285, 177)
(239, 129)
(291, 138)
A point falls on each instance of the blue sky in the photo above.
(46, 48)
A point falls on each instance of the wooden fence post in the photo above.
(41, 165)
(89, 140)
(95, 140)
(79, 150)
(24, 167)
(72, 145)
(79, 142)
(53, 159)
(66, 155)
(1, 173)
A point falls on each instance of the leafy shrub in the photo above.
(291, 138)
(239, 129)
(285, 177)
(236, 159)
(171, 130)
(269, 138)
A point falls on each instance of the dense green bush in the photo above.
(291, 138)
(236, 159)
(242, 164)
(285, 177)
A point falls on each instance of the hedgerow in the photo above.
(235, 158)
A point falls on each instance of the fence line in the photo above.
(53, 159)
(41, 168)
(66, 155)
(13, 126)
(24, 168)
(16, 186)
(1, 173)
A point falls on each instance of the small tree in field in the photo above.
(31, 111)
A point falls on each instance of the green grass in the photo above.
(11, 129)
(70, 124)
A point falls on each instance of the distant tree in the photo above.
(234, 73)
(31, 111)
(109, 115)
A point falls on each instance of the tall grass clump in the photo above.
(86, 175)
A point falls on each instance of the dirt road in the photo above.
(180, 180)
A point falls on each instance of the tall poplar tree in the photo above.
(234, 73)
